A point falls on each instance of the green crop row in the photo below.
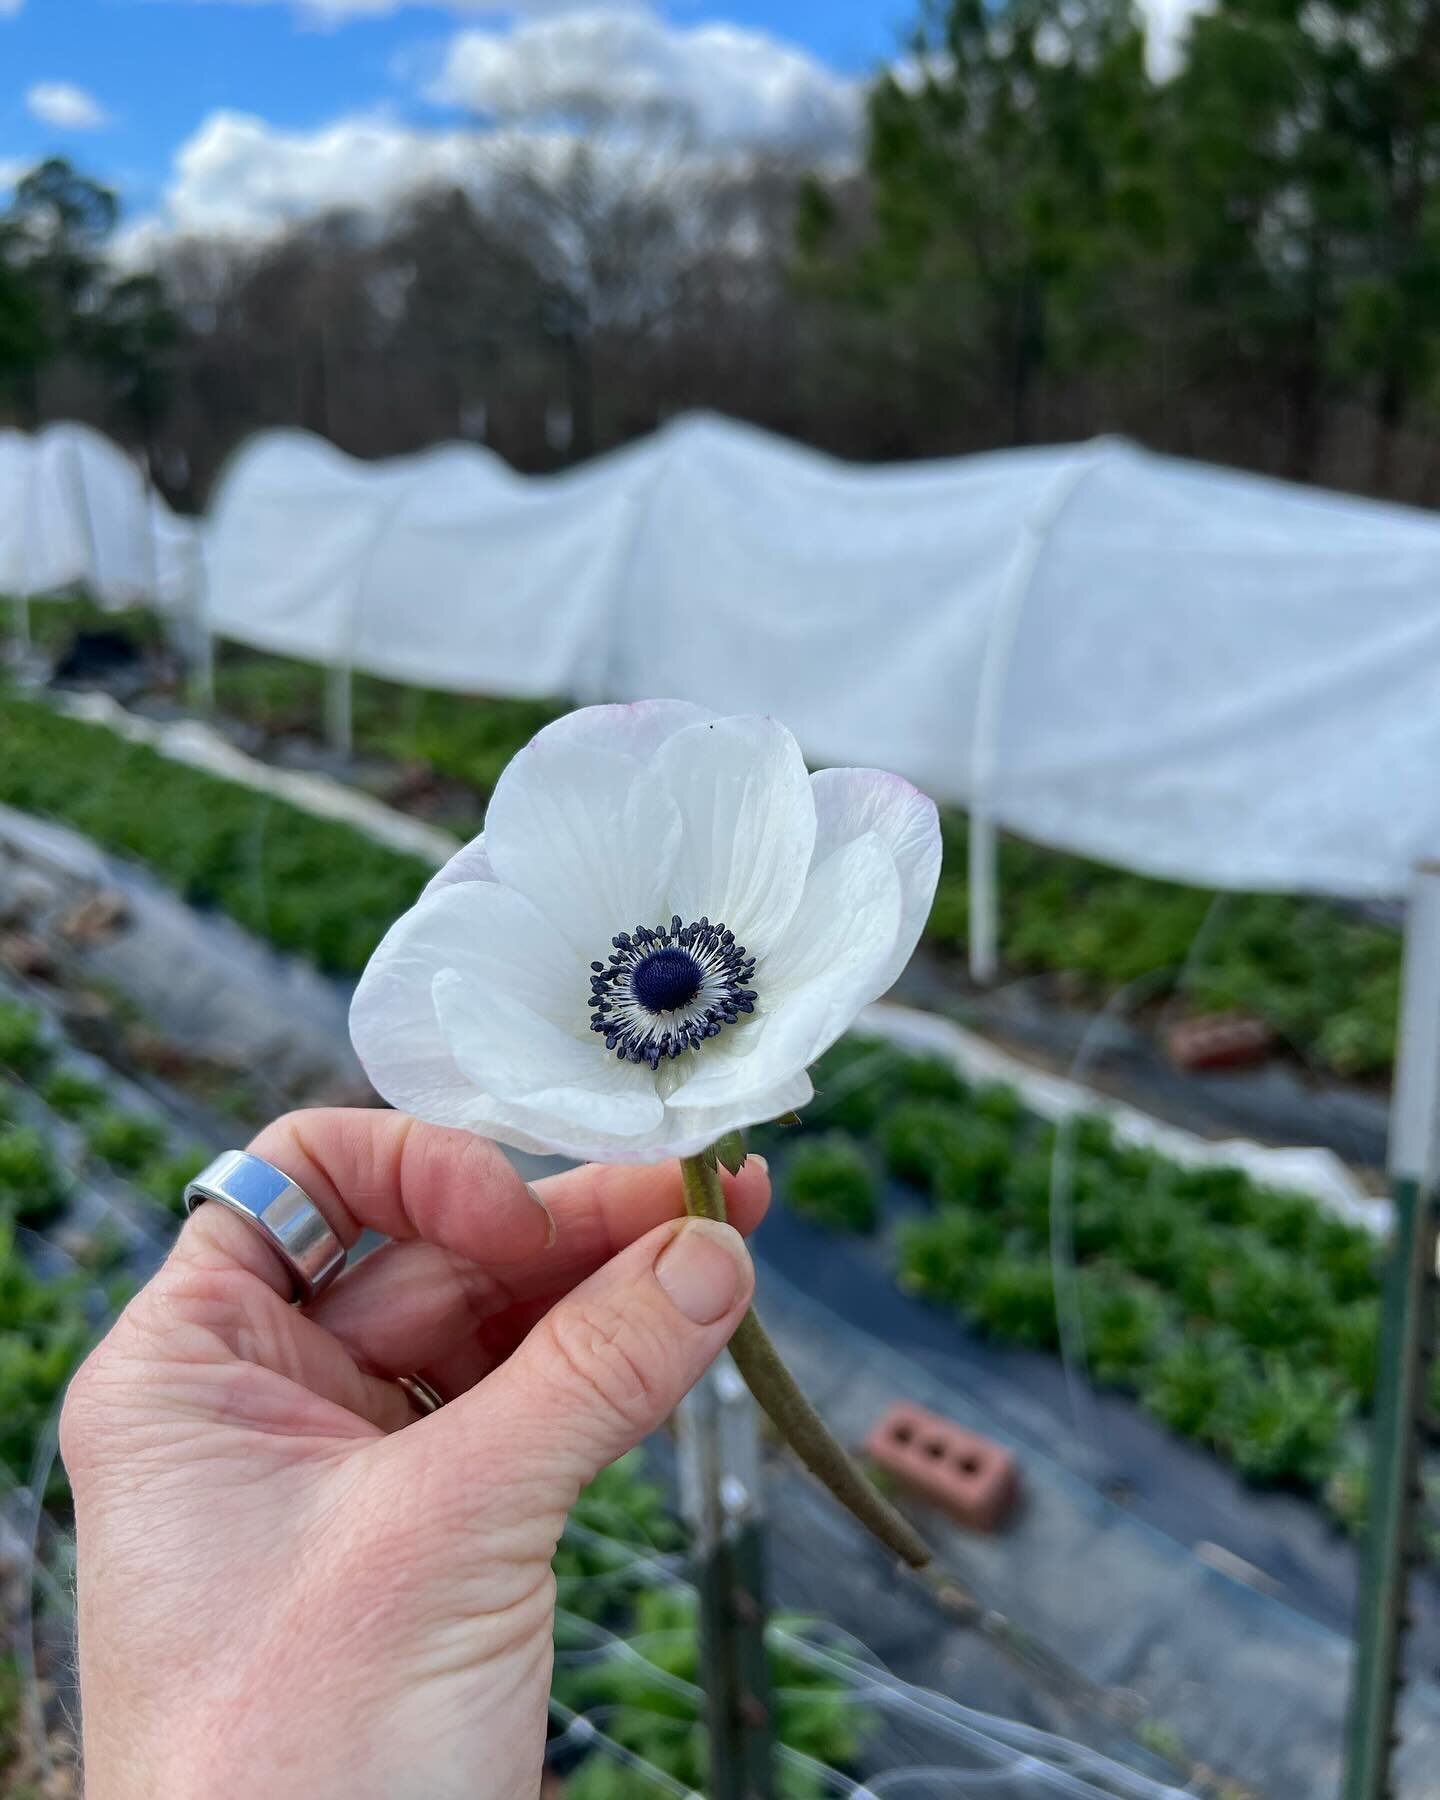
(635, 1693)
(135, 1147)
(45, 1322)
(1241, 1316)
(44, 1325)
(1325, 980)
(310, 885)
(462, 737)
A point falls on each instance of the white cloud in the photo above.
(722, 85)
(62, 104)
(239, 176)
(9, 8)
(720, 92)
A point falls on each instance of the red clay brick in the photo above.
(975, 1481)
(1219, 1041)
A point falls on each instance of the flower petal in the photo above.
(831, 962)
(470, 863)
(638, 729)
(749, 825)
(519, 1057)
(589, 836)
(489, 934)
(850, 802)
(698, 1127)
(473, 1012)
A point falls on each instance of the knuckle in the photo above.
(604, 1358)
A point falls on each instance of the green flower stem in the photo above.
(792, 1415)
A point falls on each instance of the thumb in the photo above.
(604, 1367)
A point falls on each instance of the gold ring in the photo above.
(419, 1393)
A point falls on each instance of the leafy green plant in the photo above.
(947, 1257)
(1275, 1303)
(1015, 1299)
(1157, 1240)
(1124, 1325)
(1223, 1196)
(43, 1334)
(73, 1095)
(22, 1036)
(855, 1082)
(644, 1685)
(651, 1717)
(1001, 1105)
(595, 1580)
(32, 1188)
(127, 1141)
(1187, 1386)
(917, 1135)
(1284, 1424)
(1349, 1259)
(164, 1178)
(932, 1078)
(829, 1179)
(1290, 1221)
(1352, 1347)
(975, 1164)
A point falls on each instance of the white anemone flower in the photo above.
(666, 921)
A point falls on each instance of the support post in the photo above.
(1407, 1339)
(984, 923)
(338, 713)
(1032, 539)
(202, 670)
(720, 1497)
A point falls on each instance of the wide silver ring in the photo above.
(282, 1212)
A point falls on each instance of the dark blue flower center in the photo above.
(666, 979)
(665, 989)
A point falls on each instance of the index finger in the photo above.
(396, 1175)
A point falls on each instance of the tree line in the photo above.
(1042, 238)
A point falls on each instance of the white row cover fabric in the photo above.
(75, 511)
(1189, 672)
(445, 569)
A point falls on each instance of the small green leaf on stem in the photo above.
(731, 1151)
(790, 1118)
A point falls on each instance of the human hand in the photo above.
(288, 1584)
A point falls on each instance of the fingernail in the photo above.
(704, 1269)
(551, 1231)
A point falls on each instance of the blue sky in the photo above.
(170, 100)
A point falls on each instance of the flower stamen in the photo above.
(665, 989)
